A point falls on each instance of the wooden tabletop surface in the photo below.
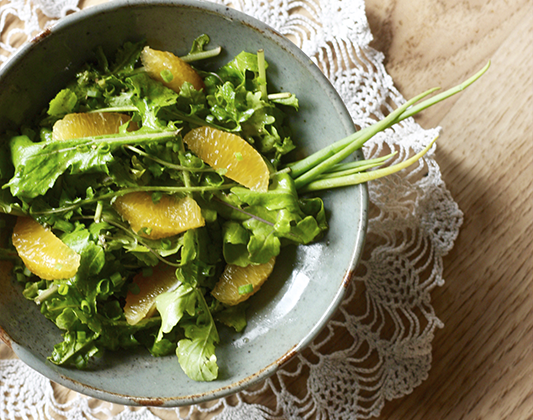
(482, 364)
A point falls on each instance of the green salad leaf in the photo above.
(258, 222)
(196, 352)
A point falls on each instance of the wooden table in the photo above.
(483, 357)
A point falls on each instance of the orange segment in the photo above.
(155, 62)
(168, 217)
(74, 126)
(223, 150)
(141, 305)
(227, 288)
(43, 253)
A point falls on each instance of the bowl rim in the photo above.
(230, 14)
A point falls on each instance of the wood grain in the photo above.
(482, 359)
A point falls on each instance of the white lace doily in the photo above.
(387, 313)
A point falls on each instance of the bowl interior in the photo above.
(308, 281)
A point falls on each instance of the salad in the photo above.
(152, 199)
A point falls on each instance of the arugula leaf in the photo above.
(236, 70)
(127, 57)
(239, 105)
(198, 45)
(285, 99)
(228, 107)
(70, 310)
(76, 349)
(150, 96)
(235, 248)
(196, 353)
(192, 103)
(39, 165)
(92, 261)
(198, 51)
(265, 129)
(173, 305)
(233, 316)
(9, 205)
(63, 103)
(118, 334)
(266, 217)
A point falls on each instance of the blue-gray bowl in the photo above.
(308, 282)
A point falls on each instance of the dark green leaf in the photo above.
(63, 103)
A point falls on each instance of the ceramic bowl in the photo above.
(308, 282)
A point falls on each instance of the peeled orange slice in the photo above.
(227, 288)
(168, 217)
(223, 150)
(158, 62)
(43, 253)
(73, 126)
(140, 303)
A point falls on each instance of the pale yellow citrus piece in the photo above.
(155, 220)
(140, 303)
(42, 252)
(227, 288)
(156, 62)
(73, 126)
(223, 150)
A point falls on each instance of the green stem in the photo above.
(242, 211)
(168, 164)
(359, 178)
(204, 308)
(45, 294)
(140, 240)
(357, 139)
(262, 73)
(192, 119)
(12, 210)
(281, 171)
(98, 212)
(340, 170)
(201, 55)
(444, 95)
(111, 139)
(357, 163)
(186, 174)
(115, 109)
(280, 95)
(114, 194)
(310, 173)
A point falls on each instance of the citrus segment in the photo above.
(227, 288)
(155, 220)
(223, 150)
(157, 63)
(43, 253)
(73, 126)
(140, 300)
